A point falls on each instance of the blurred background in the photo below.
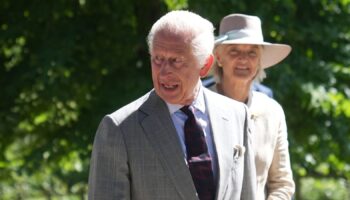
(66, 63)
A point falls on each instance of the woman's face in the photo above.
(238, 61)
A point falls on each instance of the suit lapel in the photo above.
(162, 135)
(222, 140)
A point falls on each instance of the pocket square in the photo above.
(238, 151)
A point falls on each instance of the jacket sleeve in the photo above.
(280, 184)
(109, 174)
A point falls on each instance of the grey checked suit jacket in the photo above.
(137, 153)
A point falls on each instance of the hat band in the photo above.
(240, 34)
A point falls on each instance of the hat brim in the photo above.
(272, 53)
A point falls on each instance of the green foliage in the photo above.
(325, 189)
(64, 64)
(176, 4)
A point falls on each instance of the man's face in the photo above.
(175, 70)
(239, 61)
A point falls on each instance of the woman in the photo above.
(241, 57)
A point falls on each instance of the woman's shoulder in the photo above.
(263, 103)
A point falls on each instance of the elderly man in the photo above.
(180, 140)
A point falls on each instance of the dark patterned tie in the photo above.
(198, 158)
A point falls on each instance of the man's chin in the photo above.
(172, 99)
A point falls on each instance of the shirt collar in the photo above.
(198, 103)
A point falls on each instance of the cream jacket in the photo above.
(273, 169)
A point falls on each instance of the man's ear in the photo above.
(205, 69)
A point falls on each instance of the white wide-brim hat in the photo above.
(246, 29)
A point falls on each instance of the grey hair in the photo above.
(200, 32)
(218, 71)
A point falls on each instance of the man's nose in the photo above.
(166, 67)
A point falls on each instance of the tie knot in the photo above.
(187, 111)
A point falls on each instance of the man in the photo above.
(180, 140)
